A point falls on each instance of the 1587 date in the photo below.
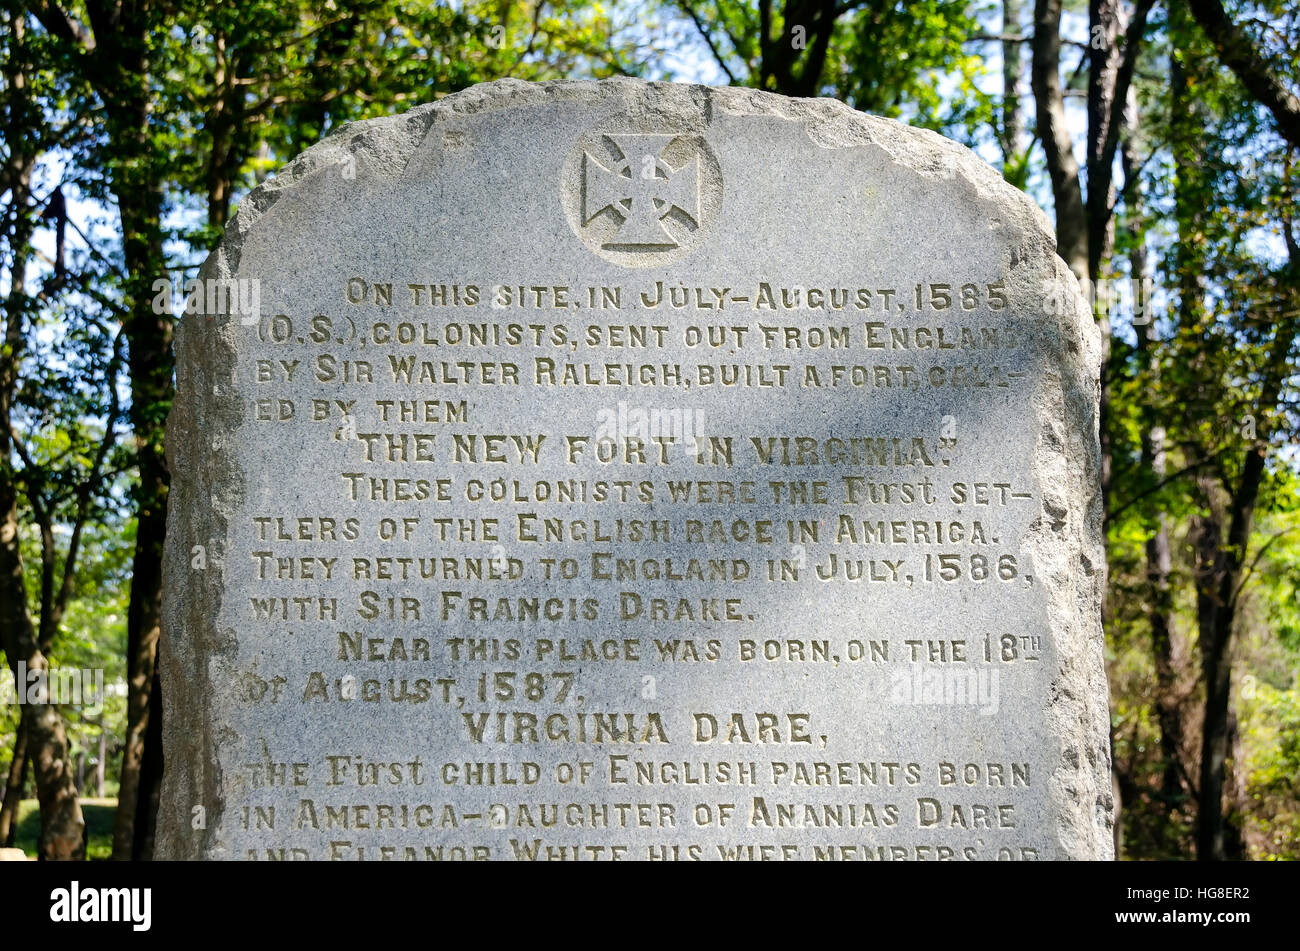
(506, 685)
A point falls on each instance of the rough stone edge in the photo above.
(206, 488)
(1067, 550)
(1084, 776)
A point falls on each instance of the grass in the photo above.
(99, 827)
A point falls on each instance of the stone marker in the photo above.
(635, 471)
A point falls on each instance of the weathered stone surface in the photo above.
(850, 610)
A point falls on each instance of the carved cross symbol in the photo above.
(641, 189)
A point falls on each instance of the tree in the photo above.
(41, 732)
(1234, 354)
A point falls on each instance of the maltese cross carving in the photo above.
(642, 190)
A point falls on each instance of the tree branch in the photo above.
(1250, 569)
(1017, 38)
(1239, 54)
(1115, 512)
(708, 40)
(84, 492)
(63, 26)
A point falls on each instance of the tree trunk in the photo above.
(14, 785)
(61, 821)
(139, 200)
(146, 815)
(1186, 132)
(1168, 714)
(1103, 69)
(143, 628)
(1013, 139)
(1054, 133)
(62, 826)
(1219, 581)
(1216, 676)
(99, 763)
(63, 830)
(1217, 608)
